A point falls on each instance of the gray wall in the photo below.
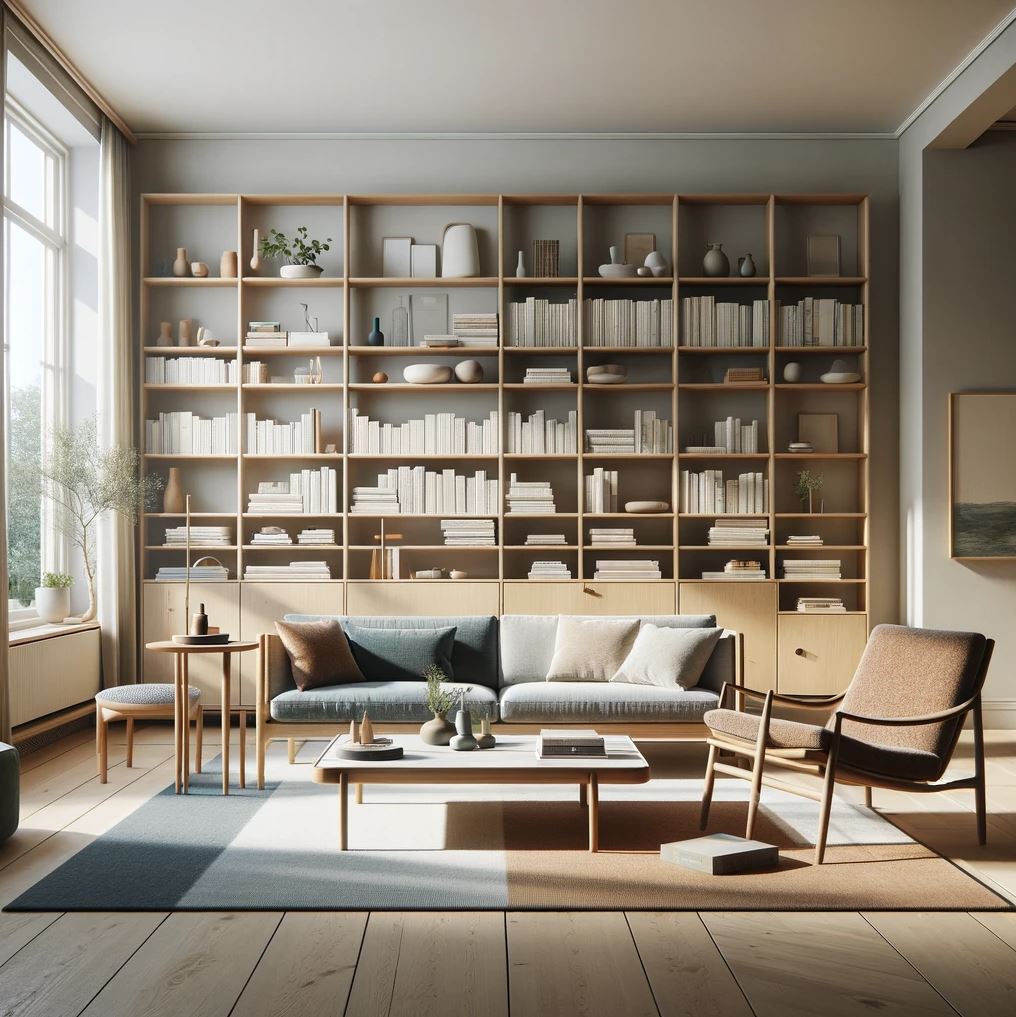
(590, 166)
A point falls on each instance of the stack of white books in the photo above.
(189, 371)
(812, 568)
(625, 322)
(294, 572)
(610, 441)
(538, 322)
(628, 568)
(198, 574)
(309, 340)
(532, 497)
(549, 570)
(544, 539)
(601, 490)
(739, 533)
(268, 437)
(738, 571)
(201, 536)
(185, 433)
(468, 532)
(432, 434)
(609, 536)
(255, 372)
(538, 435)
(553, 744)
(476, 328)
(265, 334)
(271, 536)
(309, 491)
(547, 376)
(375, 501)
(316, 536)
(418, 491)
(820, 605)
(805, 540)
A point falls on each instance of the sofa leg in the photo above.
(292, 751)
(261, 759)
(359, 794)
(707, 790)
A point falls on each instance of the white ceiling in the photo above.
(574, 66)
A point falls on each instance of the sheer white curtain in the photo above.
(5, 713)
(116, 590)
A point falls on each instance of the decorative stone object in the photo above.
(616, 269)
(657, 264)
(646, 507)
(379, 378)
(458, 574)
(199, 270)
(746, 267)
(186, 333)
(228, 265)
(839, 374)
(469, 372)
(165, 337)
(172, 494)
(376, 337)
(715, 263)
(606, 374)
(427, 374)
(792, 372)
(181, 266)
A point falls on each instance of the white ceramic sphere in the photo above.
(469, 372)
(792, 372)
(427, 374)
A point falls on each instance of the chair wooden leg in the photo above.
(756, 790)
(103, 745)
(826, 809)
(980, 790)
(867, 797)
(707, 790)
(292, 751)
(199, 737)
(130, 742)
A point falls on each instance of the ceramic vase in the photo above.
(52, 604)
(463, 741)
(165, 337)
(792, 372)
(199, 270)
(172, 495)
(376, 337)
(520, 266)
(255, 258)
(715, 263)
(460, 252)
(746, 267)
(186, 334)
(181, 266)
(485, 740)
(438, 731)
(228, 265)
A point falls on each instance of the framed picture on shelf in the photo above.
(637, 247)
(982, 475)
(396, 257)
(424, 261)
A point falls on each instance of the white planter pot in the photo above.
(300, 271)
(53, 604)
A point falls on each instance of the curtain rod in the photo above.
(44, 40)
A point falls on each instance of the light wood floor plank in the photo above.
(308, 967)
(451, 965)
(193, 964)
(18, 929)
(47, 783)
(686, 972)
(30, 760)
(1001, 923)
(973, 969)
(61, 970)
(374, 981)
(566, 963)
(789, 963)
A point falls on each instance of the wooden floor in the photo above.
(664, 964)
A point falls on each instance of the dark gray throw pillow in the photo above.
(400, 654)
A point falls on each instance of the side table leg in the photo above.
(226, 718)
(183, 695)
(243, 748)
(343, 811)
(594, 814)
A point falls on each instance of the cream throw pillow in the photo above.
(590, 651)
(668, 658)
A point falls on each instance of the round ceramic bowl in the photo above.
(645, 507)
(427, 374)
(606, 379)
(839, 377)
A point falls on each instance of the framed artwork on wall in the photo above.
(982, 475)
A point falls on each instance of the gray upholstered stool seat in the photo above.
(150, 701)
(10, 778)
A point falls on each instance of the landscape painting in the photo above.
(983, 474)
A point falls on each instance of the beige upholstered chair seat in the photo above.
(783, 734)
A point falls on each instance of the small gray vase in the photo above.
(464, 740)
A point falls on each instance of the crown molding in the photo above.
(508, 136)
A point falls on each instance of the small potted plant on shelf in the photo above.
(53, 597)
(300, 254)
(807, 484)
(440, 730)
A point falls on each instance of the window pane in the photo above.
(26, 346)
(28, 175)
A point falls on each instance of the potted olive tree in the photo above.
(53, 597)
(299, 253)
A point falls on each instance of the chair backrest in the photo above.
(908, 672)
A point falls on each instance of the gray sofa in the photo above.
(505, 662)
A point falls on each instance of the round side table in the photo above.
(182, 652)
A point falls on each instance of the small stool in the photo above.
(151, 701)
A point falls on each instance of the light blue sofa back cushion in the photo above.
(475, 651)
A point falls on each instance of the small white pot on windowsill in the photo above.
(53, 603)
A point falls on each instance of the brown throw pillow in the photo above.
(319, 653)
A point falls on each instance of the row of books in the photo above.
(650, 434)
(189, 371)
(547, 376)
(270, 437)
(730, 436)
(626, 322)
(812, 568)
(611, 536)
(804, 540)
(538, 435)
(709, 491)
(549, 570)
(309, 491)
(737, 571)
(738, 533)
(821, 321)
(201, 536)
(181, 432)
(530, 497)
(433, 434)
(627, 568)
(820, 605)
(601, 490)
(538, 322)
(704, 322)
(294, 572)
(198, 574)
(476, 328)
(468, 532)
(414, 490)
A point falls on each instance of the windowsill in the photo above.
(44, 631)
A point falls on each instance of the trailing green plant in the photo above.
(56, 581)
(300, 250)
(439, 700)
(807, 484)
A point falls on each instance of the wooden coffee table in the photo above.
(512, 761)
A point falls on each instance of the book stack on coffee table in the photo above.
(571, 744)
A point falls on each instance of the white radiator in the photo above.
(53, 674)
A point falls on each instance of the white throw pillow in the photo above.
(668, 658)
(590, 650)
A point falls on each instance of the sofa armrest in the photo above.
(275, 674)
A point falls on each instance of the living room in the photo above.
(508, 509)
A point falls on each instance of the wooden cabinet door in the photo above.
(162, 616)
(749, 608)
(423, 597)
(588, 598)
(818, 654)
(263, 604)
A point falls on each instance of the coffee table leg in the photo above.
(226, 717)
(343, 811)
(594, 814)
(359, 794)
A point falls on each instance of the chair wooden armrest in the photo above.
(802, 704)
(926, 718)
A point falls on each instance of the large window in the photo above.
(35, 259)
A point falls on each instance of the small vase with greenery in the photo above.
(53, 597)
(300, 253)
(440, 700)
(807, 484)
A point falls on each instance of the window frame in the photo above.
(54, 552)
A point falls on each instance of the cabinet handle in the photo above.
(591, 592)
(799, 651)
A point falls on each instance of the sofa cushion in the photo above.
(783, 734)
(319, 653)
(527, 641)
(667, 658)
(385, 702)
(590, 649)
(474, 654)
(600, 702)
(401, 654)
